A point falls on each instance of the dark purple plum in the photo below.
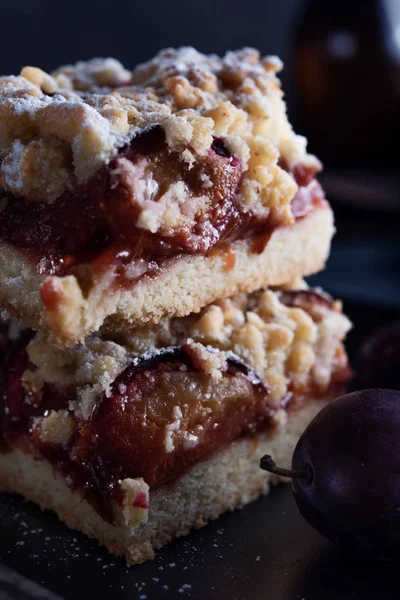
(346, 472)
(378, 362)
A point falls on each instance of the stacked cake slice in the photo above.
(155, 229)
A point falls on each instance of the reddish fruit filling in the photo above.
(96, 221)
(19, 406)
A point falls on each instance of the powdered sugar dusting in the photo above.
(11, 168)
(97, 106)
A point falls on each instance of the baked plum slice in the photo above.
(84, 221)
(164, 413)
(147, 178)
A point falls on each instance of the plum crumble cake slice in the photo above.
(137, 438)
(129, 196)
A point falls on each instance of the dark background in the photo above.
(47, 34)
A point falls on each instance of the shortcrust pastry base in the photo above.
(228, 480)
(184, 285)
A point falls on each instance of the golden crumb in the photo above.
(136, 500)
(57, 130)
(57, 428)
(285, 344)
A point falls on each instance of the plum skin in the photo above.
(353, 449)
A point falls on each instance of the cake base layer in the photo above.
(228, 480)
(67, 313)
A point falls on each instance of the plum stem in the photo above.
(268, 464)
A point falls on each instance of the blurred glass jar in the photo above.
(346, 63)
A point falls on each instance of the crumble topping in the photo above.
(136, 499)
(212, 363)
(86, 76)
(57, 428)
(58, 130)
(92, 367)
(285, 345)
